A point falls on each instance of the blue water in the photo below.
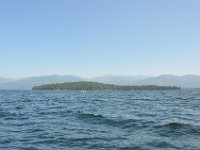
(100, 120)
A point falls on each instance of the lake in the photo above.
(100, 120)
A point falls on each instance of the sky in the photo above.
(99, 37)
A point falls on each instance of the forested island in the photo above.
(86, 85)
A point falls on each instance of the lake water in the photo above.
(100, 120)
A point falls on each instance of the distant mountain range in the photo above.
(28, 83)
(186, 81)
(121, 80)
(5, 80)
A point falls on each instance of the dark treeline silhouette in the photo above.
(85, 85)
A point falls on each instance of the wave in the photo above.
(178, 127)
(175, 125)
(115, 122)
(162, 144)
(131, 148)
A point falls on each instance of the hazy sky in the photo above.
(97, 37)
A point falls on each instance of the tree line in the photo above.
(86, 85)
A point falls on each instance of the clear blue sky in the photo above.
(97, 37)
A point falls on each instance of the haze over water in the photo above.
(105, 120)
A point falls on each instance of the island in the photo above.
(87, 85)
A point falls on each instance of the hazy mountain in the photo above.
(5, 80)
(28, 83)
(186, 81)
(121, 80)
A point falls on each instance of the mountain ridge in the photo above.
(184, 81)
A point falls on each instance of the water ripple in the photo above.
(104, 120)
